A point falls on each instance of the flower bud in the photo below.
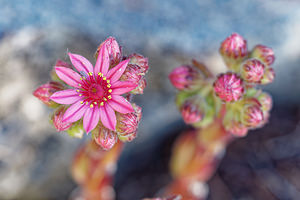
(185, 77)
(114, 50)
(229, 87)
(105, 137)
(139, 60)
(140, 88)
(137, 111)
(57, 119)
(266, 101)
(268, 77)
(132, 73)
(127, 123)
(252, 116)
(252, 70)
(265, 54)
(127, 137)
(233, 49)
(237, 129)
(192, 110)
(45, 91)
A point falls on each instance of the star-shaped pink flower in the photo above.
(96, 92)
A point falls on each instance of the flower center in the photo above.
(95, 90)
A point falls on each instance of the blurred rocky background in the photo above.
(35, 159)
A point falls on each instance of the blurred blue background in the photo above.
(33, 34)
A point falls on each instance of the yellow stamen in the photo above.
(108, 81)
(79, 85)
(91, 106)
(109, 97)
(77, 90)
(104, 99)
(81, 102)
(95, 103)
(110, 90)
(80, 95)
(104, 78)
(102, 104)
(80, 78)
(90, 73)
(87, 103)
(109, 85)
(100, 74)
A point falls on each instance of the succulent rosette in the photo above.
(94, 98)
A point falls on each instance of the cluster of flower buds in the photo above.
(97, 99)
(201, 96)
(93, 169)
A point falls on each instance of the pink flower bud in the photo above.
(229, 87)
(233, 49)
(57, 119)
(127, 123)
(139, 60)
(45, 91)
(192, 111)
(132, 73)
(252, 70)
(237, 129)
(252, 116)
(105, 137)
(266, 101)
(268, 77)
(114, 50)
(265, 54)
(137, 111)
(140, 88)
(127, 137)
(185, 77)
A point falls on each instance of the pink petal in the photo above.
(102, 63)
(75, 112)
(120, 104)
(81, 63)
(68, 76)
(121, 87)
(108, 117)
(115, 73)
(69, 96)
(91, 118)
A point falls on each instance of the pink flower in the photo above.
(229, 87)
(95, 92)
(265, 54)
(252, 70)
